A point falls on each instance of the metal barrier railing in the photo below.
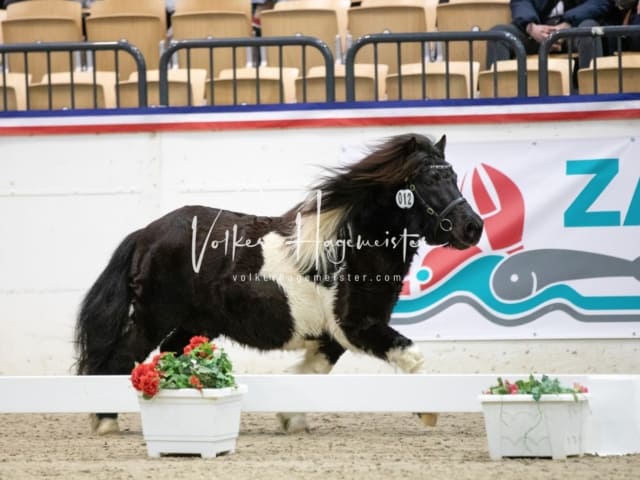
(572, 34)
(234, 44)
(445, 38)
(72, 49)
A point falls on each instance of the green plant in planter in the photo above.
(200, 365)
(536, 387)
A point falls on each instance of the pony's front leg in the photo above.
(320, 357)
(382, 341)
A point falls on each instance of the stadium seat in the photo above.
(507, 78)
(179, 82)
(432, 82)
(242, 6)
(42, 21)
(269, 85)
(365, 84)
(428, 5)
(197, 19)
(608, 77)
(471, 15)
(55, 91)
(390, 19)
(141, 23)
(3, 15)
(319, 23)
(14, 89)
(340, 6)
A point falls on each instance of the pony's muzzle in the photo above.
(472, 230)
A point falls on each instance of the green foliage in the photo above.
(534, 387)
(210, 366)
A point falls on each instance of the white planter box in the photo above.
(518, 426)
(189, 421)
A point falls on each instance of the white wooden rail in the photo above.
(267, 393)
(614, 402)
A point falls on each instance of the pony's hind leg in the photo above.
(131, 347)
(320, 357)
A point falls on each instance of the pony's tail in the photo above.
(104, 312)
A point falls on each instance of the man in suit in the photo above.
(532, 21)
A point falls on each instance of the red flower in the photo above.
(195, 382)
(187, 349)
(513, 388)
(146, 379)
(157, 358)
(197, 340)
(151, 383)
(139, 371)
(580, 388)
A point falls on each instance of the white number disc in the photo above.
(404, 198)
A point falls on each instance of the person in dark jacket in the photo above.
(532, 21)
(630, 13)
(6, 3)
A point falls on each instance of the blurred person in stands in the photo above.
(257, 7)
(630, 13)
(532, 21)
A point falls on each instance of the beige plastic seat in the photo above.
(365, 84)
(507, 78)
(197, 19)
(141, 23)
(180, 80)
(85, 94)
(319, 23)
(339, 6)
(471, 15)
(15, 91)
(390, 19)
(436, 76)
(3, 15)
(607, 75)
(242, 6)
(42, 21)
(269, 84)
(428, 5)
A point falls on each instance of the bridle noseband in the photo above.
(443, 223)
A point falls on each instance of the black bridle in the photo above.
(442, 222)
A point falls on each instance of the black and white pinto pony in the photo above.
(323, 277)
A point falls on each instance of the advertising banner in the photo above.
(560, 254)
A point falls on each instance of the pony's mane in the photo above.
(325, 213)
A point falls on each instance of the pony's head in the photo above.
(442, 213)
(409, 180)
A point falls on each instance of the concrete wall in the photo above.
(67, 197)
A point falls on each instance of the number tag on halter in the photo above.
(404, 198)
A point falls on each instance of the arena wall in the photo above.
(71, 187)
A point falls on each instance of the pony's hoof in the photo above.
(428, 419)
(293, 422)
(104, 426)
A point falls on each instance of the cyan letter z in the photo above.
(603, 171)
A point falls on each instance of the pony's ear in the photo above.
(441, 144)
(411, 145)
